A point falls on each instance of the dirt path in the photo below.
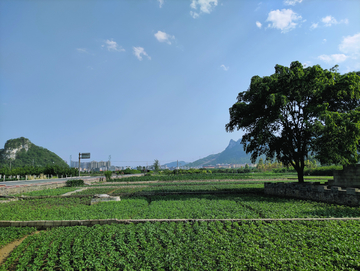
(6, 250)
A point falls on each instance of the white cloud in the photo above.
(314, 25)
(283, 19)
(258, 24)
(224, 67)
(139, 51)
(82, 50)
(113, 46)
(351, 45)
(163, 37)
(324, 40)
(161, 2)
(329, 20)
(204, 6)
(292, 2)
(335, 58)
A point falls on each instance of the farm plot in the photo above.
(10, 234)
(315, 245)
(190, 206)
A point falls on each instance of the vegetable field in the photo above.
(244, 245)
(325, 245)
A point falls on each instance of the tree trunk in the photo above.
(300, 176)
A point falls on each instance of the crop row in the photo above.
(311, 245)
(189, 206)
(10, 234)
(176, 188)
(215, 176)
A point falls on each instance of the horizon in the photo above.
(153, 79)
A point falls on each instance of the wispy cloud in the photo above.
(163, 37)
(139, 52)
(258, 24)
(161, 2)
(292, 2)
(329, 21)
(258, 6)
(283, 19)
(112, 46)
(82, 50)
(351, 45)
(202, 6)
(314, 25)
(335, 58)
(224, 67)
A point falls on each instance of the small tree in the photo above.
(156, 166)
(108, 174)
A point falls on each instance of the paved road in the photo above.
(34, 182)
(60, 180)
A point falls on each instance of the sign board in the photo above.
(85, 155)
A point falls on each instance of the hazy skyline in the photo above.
(153, 79)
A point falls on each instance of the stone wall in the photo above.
(315, 191)
(348, 177)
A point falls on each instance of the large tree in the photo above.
(299, 111)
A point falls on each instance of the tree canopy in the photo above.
(300, 111)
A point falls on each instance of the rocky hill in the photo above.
(21, 152)
(233, 154)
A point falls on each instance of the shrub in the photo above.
(108, 174)
(322, 171)
(74, 183)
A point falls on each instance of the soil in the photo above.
(6, 250)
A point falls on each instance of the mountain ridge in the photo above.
(233, 154)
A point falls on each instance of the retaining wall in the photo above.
(315, 191)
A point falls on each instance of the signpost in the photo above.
(83, 156)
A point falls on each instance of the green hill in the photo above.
(233, 154)
(21, 152)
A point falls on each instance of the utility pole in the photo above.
(79, 164)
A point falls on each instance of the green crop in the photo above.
(296, 245)
(9, 234)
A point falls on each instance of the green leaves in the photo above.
(296, 245)
(289, 114)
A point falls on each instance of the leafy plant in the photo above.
(74, 183)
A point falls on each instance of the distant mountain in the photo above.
(233, 154)
(174, 164)
(21, 152)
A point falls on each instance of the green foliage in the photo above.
(72, 183)
(131, 171)
(296, 111)
(156, 166)
(282, 245)
(9, 234)
(322, 171)
(35, 156)
(108, 175)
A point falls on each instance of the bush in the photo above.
(72, 183)
(322, 171)
(108, 174)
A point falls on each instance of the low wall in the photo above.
(315, 191)
(348, 177)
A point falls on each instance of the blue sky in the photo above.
(153, 79)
